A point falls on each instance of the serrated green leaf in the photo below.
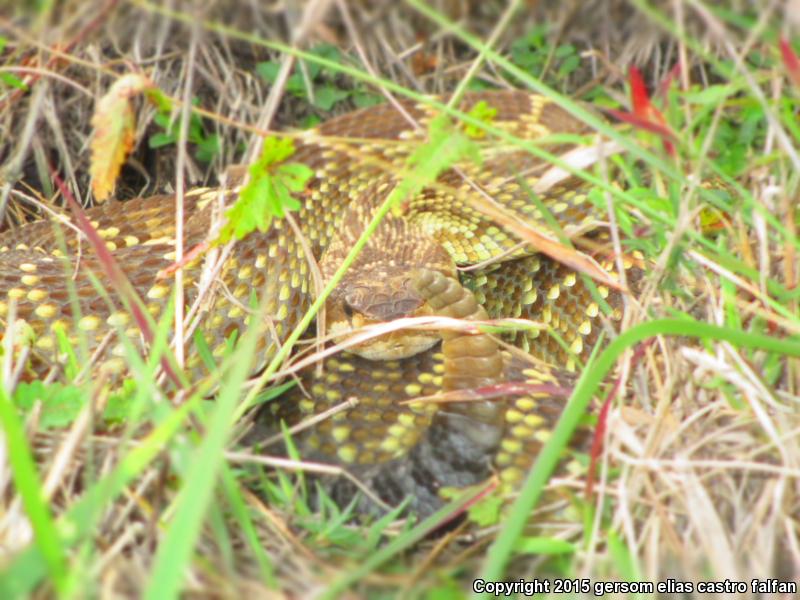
(483, 112)
(295, 176)
(446, 145)
(269, 192)
(275, 150)
(276, 196)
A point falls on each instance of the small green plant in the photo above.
(207, 144)
(317, 84)
(62, 403)
(532, 53)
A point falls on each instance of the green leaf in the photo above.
(275, 197)
(207, 145)
(486, 511)
(543, 545)
(326, 96)
(364, 99)
(159, 140)
(483, 112)
(163, 119)
(196, 133)
(269, 192)
(710, 95)
(296, 85)
(569, 65)
(60, 404)
(208, 148)
(326, 51)
(446, 145)
(250, 211)
(159, 99)
(268, 71)
(310, 121)
(120, 404)
(564, 51)
(13, 81)
(295, 176)
(528, 51)
(203, 350)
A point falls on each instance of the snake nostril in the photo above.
(348, 310)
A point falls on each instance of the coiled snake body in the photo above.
(397, 447)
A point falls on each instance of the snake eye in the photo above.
(348, 310)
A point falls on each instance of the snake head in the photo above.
(383, 300)
(378, 285)
(378, 297)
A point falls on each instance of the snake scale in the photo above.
(391, 441)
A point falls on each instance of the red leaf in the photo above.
(602, 420)
(639, 96)
(645, 115)
(673, 74)
(790, 61)
(637, 121)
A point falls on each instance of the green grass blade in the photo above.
(399, 544)
(29, 487)
(241, 513)
(84, 514)
(178, 545)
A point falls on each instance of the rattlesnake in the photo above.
(355, 159)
